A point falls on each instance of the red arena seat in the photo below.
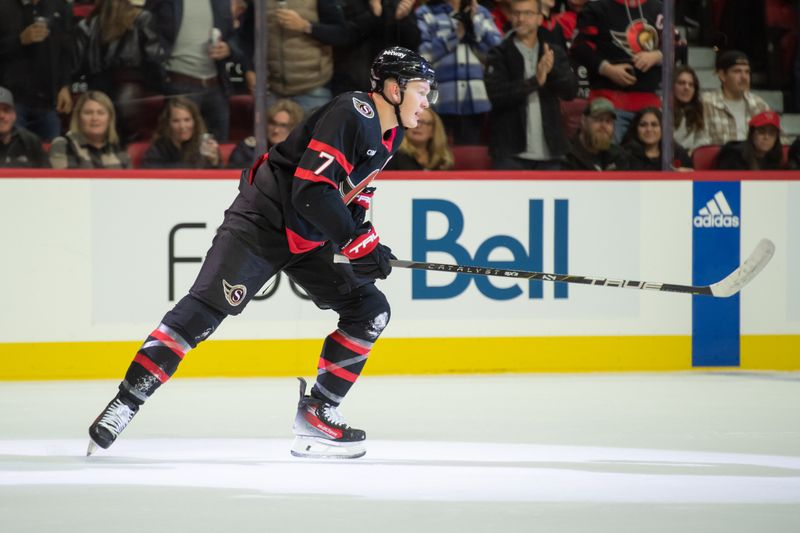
(226, 149)
(136, 153)
(469, 157)
(705, 157)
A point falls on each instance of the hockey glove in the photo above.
(368, 257)
(360, 205)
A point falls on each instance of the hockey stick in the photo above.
(730, 285)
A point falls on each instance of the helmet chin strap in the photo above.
(397, 107)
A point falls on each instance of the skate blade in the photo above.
(325, 449)
(92, 448)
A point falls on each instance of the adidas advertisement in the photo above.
(717, 213)
(716, 244)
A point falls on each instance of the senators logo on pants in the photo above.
(234, 293)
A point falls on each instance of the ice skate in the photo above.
(109, 424)
(320, 431)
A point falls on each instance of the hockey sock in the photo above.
(182, 328)
(342, 359)
(154, 363)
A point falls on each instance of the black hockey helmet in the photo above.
(404, 65)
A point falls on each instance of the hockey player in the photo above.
(298, 205)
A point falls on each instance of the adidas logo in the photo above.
(716, 214)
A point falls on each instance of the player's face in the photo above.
(181, 125)
(8, 116)
(278, 127)
(415, 101)
(684, 88)
(649, 130)
(93, 120)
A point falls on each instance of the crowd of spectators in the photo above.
(72, 84)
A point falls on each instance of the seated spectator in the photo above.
(728, 110)
(689, 123)
(424, 147)
(762, 150)
(117, 49)
(282, 117)
(456, 36)
(181, 139)
(92, 140)
(643, 143)
(794, 155)
(18, 146)
(594, 147)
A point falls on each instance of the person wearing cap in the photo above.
(525, 78)
(18, 146)
(729, 109)
(762, 150)
(594, 147)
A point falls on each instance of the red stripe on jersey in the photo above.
(169, 342)
(388, 143)
(300, 245)
(347, 343)
(337, 371)
(320, 146)
(590, 30)
(151, 367)
(255, 166)
(304, 174)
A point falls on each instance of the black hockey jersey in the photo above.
(615, 30)
(324, 163)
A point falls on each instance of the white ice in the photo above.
(592, 452)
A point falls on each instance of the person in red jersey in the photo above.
(300, 204)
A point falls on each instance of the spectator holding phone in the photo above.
(181, 139)
(35, 62)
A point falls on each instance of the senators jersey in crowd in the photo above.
(614, 31)
(313, 175)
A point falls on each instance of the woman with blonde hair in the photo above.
(424, 147)
(92, 140)
(181, 139)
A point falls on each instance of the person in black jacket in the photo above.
(643, 142)
(762, 150)
(18, 146)
(117, 48)
(35, 62)
(525, 78)
(794, 155)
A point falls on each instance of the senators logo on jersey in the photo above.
(639, 36)
(363, 108)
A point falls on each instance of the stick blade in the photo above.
(740, 277)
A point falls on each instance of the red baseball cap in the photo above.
(767, 118)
